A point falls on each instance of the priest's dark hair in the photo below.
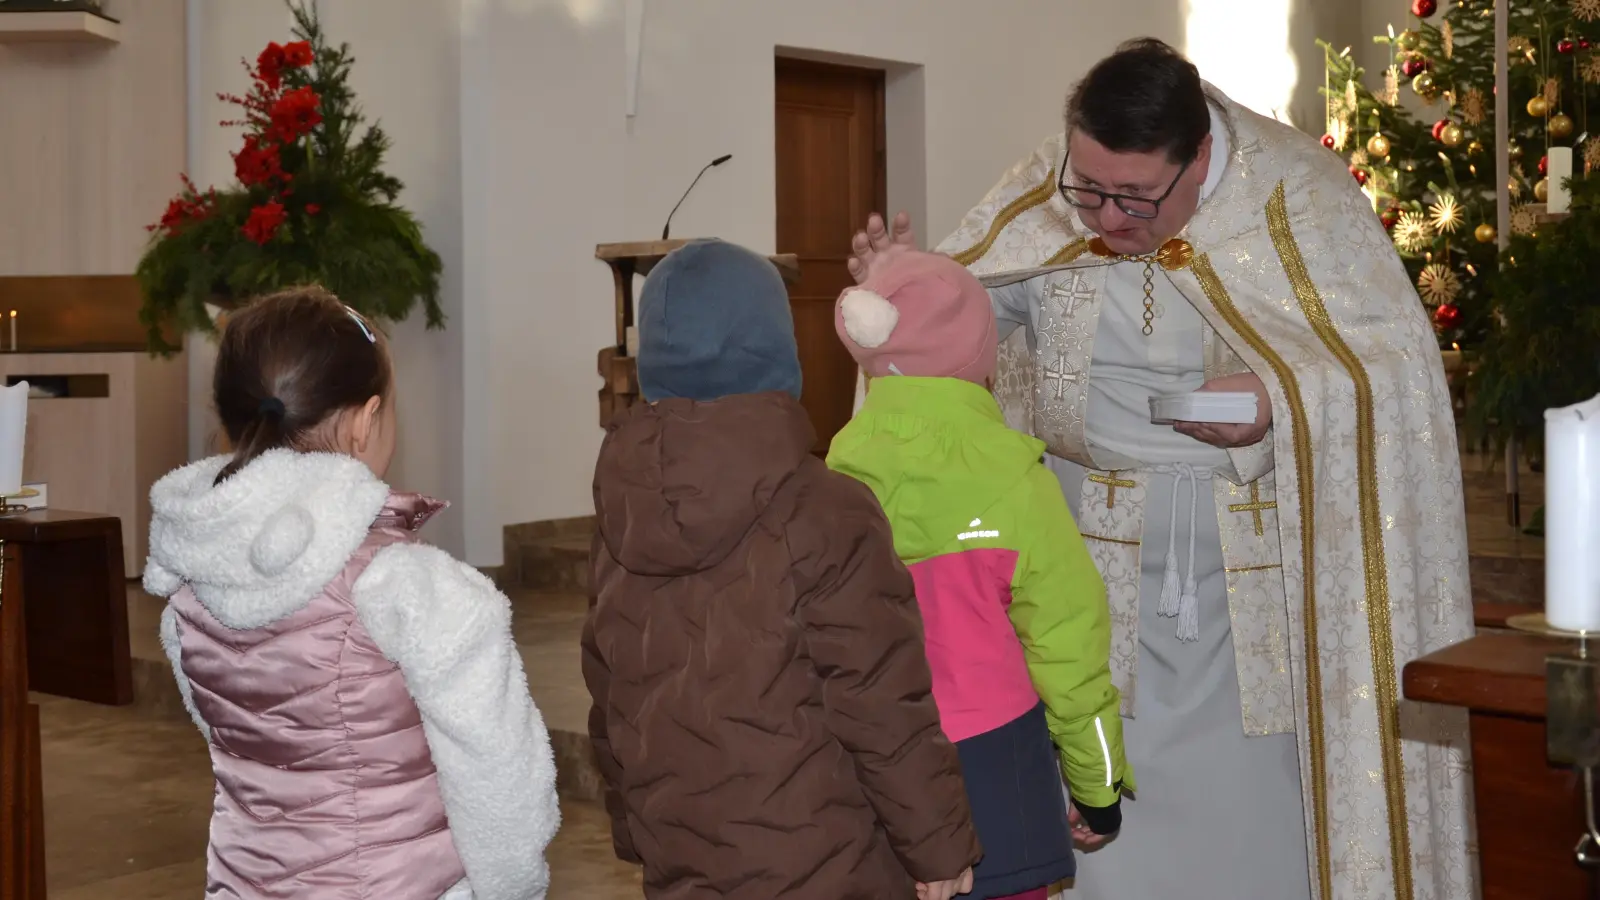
(287, 363)
(1143, 98)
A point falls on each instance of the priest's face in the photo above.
(1142, 182)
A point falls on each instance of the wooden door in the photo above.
(21, 802)
(830, 175)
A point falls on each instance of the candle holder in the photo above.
(9, 508)
(1572, 718)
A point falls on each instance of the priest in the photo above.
(1267, 579)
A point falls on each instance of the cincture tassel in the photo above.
(1184, 605)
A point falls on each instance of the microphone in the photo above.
(665, 229)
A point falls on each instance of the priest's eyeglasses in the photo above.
(1137, 207)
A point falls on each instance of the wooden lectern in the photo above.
(616, 363)
(1530, 810)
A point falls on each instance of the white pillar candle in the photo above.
(13, 435)
(1572, 516)
(1559, 199)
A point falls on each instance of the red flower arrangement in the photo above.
(312, 204)
(275, 117)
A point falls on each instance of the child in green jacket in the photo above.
(1017, 627)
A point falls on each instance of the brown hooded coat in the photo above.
(763, 713)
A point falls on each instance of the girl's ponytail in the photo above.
(286, 364)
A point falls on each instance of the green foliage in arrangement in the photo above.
(311, 204)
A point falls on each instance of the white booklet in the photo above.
(1216, 407)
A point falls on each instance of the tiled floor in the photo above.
(128, 790)
(128, 799)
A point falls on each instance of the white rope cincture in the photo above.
(1182, 603)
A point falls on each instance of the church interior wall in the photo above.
(511, 131)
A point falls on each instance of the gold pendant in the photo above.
(1175, 254)
(1172, 256)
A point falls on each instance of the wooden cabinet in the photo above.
(1529, 813)
(122, 424)
(21, 794)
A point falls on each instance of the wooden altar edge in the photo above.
(1488, 673)
(78, 313)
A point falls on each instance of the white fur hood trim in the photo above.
(262, 544)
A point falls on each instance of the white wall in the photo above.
(560, 168)
(407, 75)
(509, 125)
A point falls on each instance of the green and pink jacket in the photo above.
(1014, 611)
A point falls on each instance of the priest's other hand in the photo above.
(1233, 436)
(872, 248)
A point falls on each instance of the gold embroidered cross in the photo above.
(1112, 482)
(1254, 507)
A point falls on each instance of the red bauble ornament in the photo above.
(1360, 176)
(1583, 44)
(1389, 217)
(1566, 46)
(1447, 316)
(1414, 66)
(1328, 141)
(1544, 165)
(1424, 8)
(1438, 127)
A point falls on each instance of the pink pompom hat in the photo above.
(923, 315)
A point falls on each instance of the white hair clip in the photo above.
(362, 323)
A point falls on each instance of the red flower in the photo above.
(189, 206)
(312, 209)
(257, 163)
(264, 221)
(270, 65)
(297, 54)
(294, 114)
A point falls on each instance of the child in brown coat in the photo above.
(763, 713)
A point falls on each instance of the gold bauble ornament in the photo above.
(1475, 148)
(1408, 41)
(1451, 135)
(1485, 233)
(1423, 84)
(1541, 190)
(1514, 150)
(1378, 146)
(1560, 126)
(1538, 108)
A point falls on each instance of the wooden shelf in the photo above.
(57, 27)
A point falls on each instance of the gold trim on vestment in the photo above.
(1110, 540)
(1304, 478)
(1264, 568)
(1068, 253)
(1033, 197)
(1379, 623)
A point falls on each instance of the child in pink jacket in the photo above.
(370, 727)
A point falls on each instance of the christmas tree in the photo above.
(1428, 160)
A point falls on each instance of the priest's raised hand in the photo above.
(870, 249)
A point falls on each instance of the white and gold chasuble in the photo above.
(1344, 532)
